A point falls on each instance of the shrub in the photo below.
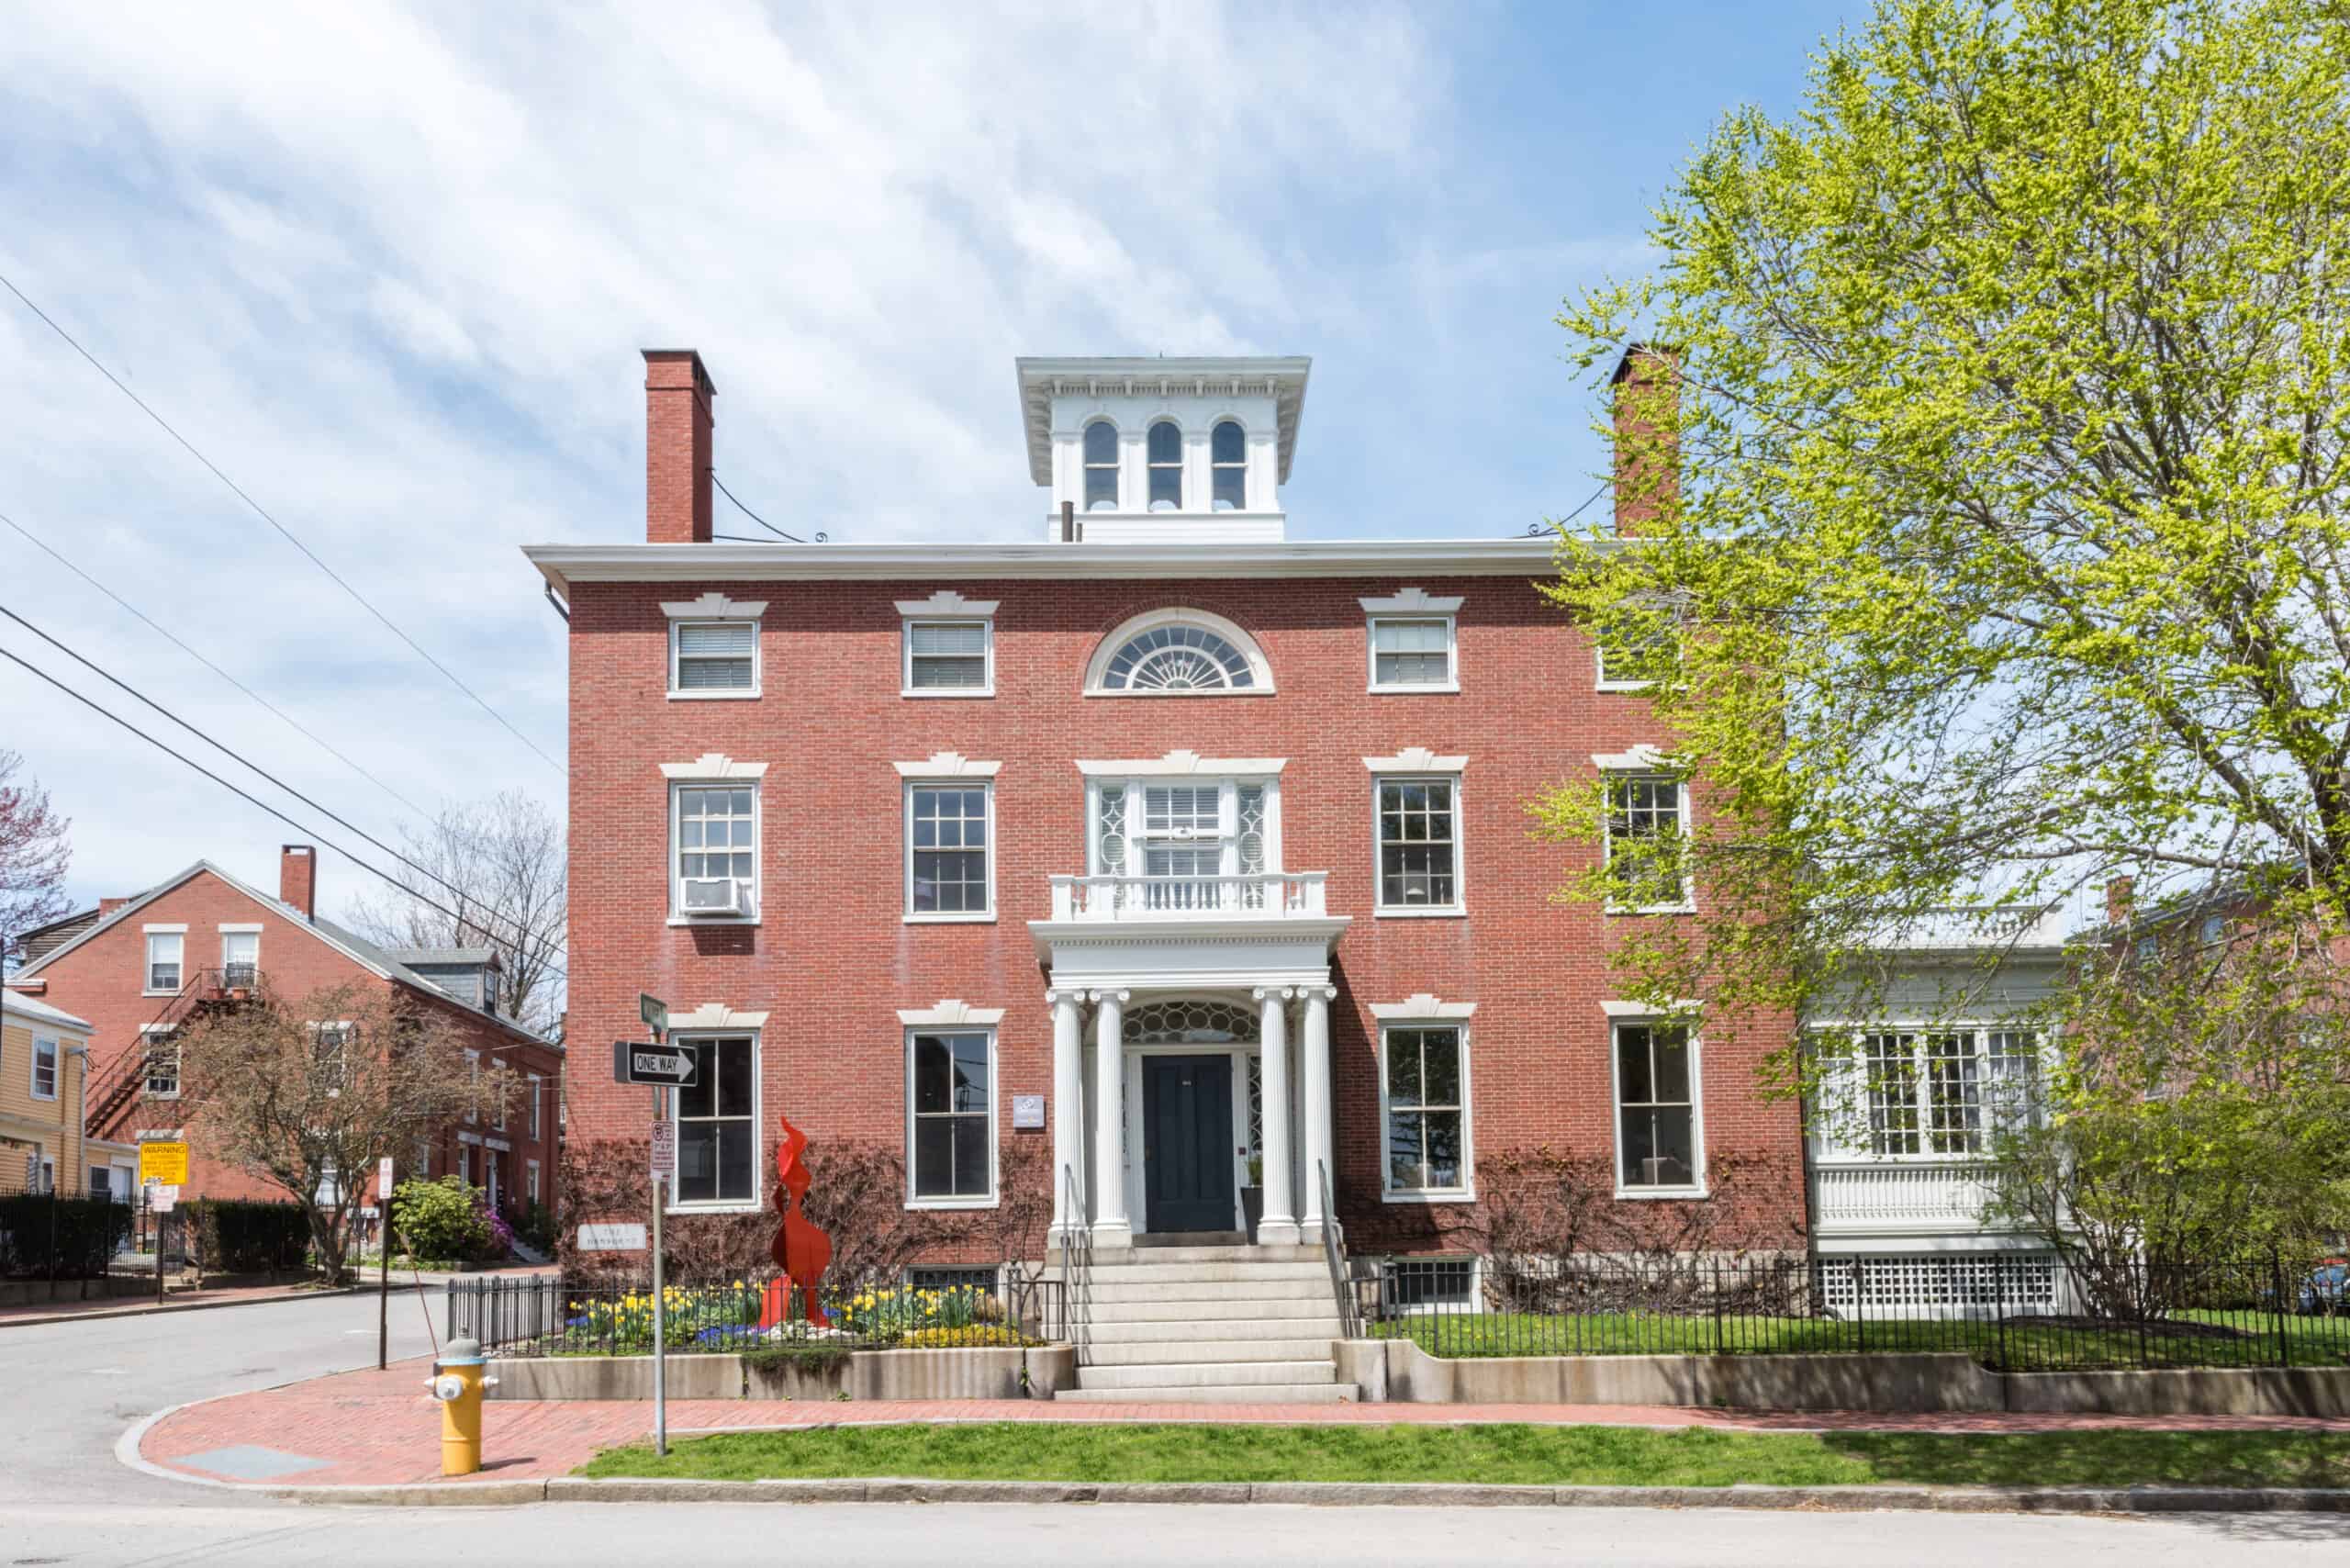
(438, 1220)
(49, 1236)
(499, 1236)
(538, 1228)
(246, 1236)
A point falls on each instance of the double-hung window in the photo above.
(1640, 648)
(497, 1111)
(948, 658)
(951, 1101)
(1412, 654)
(717, 849)
(161, 1048)
(1424, 1100)
(331, 1042)
(239, 958)
(1648, 858)
(1189, 844)
(713, 658)
(1656, 1109)
(950, 856)
(1946, 1094)
(1420, 845)
(166, 952)
(44, 1084)
(473, 1086)
(717, 1117)
(538, 1094)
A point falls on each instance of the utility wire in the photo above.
(226, 752)
(746, 511)
(262, 512)
(161, 632)
(183, 757)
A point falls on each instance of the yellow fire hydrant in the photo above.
(457, 1383)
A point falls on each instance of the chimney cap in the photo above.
(1669, 353)
(686, 356)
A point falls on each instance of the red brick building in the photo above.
(138, 968)
(1169, 845)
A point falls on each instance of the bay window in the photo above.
(1945, 1093)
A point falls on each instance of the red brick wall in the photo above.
(102, 980)
(832, 960)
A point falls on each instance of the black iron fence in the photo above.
(2011, 1312)
(545, 1317)
(61, 1233)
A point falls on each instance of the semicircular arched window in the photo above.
(1178, 652)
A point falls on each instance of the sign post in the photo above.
(384, 1241)
(634, 1062)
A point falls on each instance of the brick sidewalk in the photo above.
(382, 1429)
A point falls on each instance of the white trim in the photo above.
(1260, 668)
(471, 1139)
(180, 927)
(716, 694)
(473, 1089)
(714, 606)
(147, 986)
(1184, 765)
(238, 928)
(717, 1018)
(1414, 602)
(1698, 1188)
(1467, 1192)
(714, 766)
(947, 765)
(986, 623)
(1416, 759)
(950, 1013)
(1458, 907)
(538, 1094)
(532, 1188)
(1677, 1009)
(946, 605)
(1422, 1006)
(994, 1192)
(758, 1137)
(498, 1144)
(984, 782)
(677, 915)
(56, 1067)
(1642, 758)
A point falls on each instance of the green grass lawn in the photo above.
(1495, 1453)
(2243, 1339)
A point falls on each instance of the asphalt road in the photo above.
(72, 1389)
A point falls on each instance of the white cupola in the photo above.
(1162, 450)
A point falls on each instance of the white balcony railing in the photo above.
(1267, 894)
(1889, 1195)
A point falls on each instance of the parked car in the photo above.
(2327, 1290)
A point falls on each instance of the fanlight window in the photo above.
(1189, 1023)
(1177, 657)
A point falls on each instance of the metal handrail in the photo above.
(1334, 1252)
(1077, 1268)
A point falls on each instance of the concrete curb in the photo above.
(150, 1309)
(1348, 1494)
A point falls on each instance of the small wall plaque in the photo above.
(1027, 1111)
(611, 1238)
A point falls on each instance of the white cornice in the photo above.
(948, 1015)
(716, 1015)
(1044, 378)
(945, 601)
(1421, 1006)
(1182, 765)
(714, 606)
(1413, 601)
(1641, 759)
(565, 564)
(947, 765)
(1416, 759)
(713, 765)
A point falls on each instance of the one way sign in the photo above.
(634, 1061)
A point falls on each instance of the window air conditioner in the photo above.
(713, 895)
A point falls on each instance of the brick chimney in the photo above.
(2120, 896)
(678, 421)
(297, 877)
(108, 906)
(1647, 385)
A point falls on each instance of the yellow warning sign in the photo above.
(164, 1163)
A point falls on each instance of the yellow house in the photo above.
(44, 1055)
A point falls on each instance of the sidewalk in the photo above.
(239, 1295)
(382, 1429)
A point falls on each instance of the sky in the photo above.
(390, 267)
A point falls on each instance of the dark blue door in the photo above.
(1187, 1149)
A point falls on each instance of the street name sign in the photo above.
(634, 1061)
(654, 1012)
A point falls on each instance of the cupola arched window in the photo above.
(1228, 461)
(1178, 652)
(1166, 466)
(1100, 466)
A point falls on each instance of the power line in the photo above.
(161, 632)
(746, 511)
(226, 751)
(262, 512)
(183, 758)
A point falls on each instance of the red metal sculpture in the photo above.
(799, 1249)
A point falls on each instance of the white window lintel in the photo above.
(1421, 1006)
(714, 606)
(1416, 759)
(946, 602)
(1635, 1012)
(180, 929)
(716, 1015)
(949, 1013)
(1413, 601)
(1183, 765)
(947, 765)
(1641, 759)
(713, 765)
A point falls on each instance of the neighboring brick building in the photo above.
(950, 845)
(138, 968)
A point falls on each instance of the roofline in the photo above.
(40, 1011)
(562, 565)
(1286, 375)
(32, 930)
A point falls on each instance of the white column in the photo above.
(1279, 1226)
(1068, 1100)
(1315, 1049)
(1110, 1225)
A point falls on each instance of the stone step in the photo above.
(1214, 1271)
(1107, 1290)
(1323, 1326)
(1210, 1253)
(1188, 1309)
(1103, 1352)
(1251, 1394)
(1206, 1375)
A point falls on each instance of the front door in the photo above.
(1187, 1143)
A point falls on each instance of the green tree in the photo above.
(1995, 510)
